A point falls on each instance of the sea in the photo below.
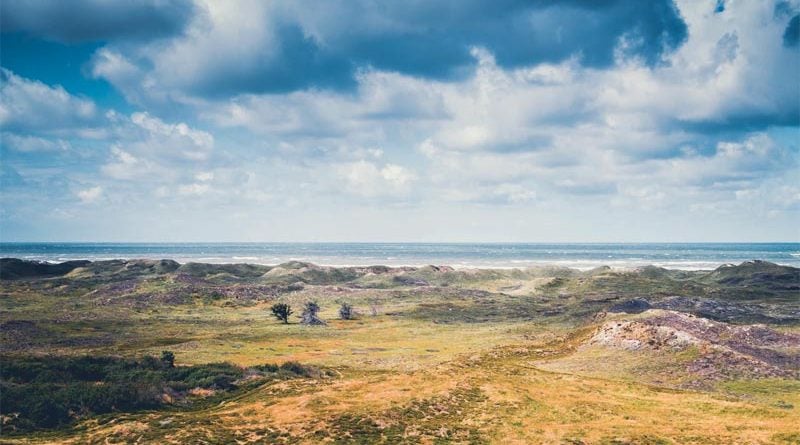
(685, 256)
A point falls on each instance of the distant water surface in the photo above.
(690, 256)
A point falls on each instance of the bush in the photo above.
(346, 312)
(281, 311)
(295, 368)
(50, 391)
(267, 368)
(168, 359)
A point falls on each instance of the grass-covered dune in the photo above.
(422, 355)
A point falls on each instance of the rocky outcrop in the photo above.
(722, 350)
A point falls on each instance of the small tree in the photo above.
(168, 359)
(282, 311)
(346, 312)
(309, 315)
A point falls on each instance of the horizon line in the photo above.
(400, 242)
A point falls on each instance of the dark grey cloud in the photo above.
(791, 35)
(299, 63)
(783, 9)
(554, 31)
(741, 122)
(435, 37)
(96, 20)
(433, 40)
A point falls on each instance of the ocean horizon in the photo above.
(683, 256)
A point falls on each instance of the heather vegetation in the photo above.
(160, 352)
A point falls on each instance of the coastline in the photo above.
(581, 256)
(499, 256)
(577, 265)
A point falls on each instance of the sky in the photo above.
(415, 120)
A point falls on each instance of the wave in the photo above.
(463, 256)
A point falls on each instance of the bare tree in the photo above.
(309, 315)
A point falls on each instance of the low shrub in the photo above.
(54, 391)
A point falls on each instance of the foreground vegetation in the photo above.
(52, 391)
(400, 355)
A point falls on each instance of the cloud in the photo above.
(204, 176)
(597, 117)
(495, 194)
(174, 139)
(792, 33)
(278, 47)
(96, 20)
(126, 166)
(396, 176)
(33, 144)
(90, 195)
(119, 71)
(147, 148)
(733, 162)
(559, 129)
(362, 117)
(370, 180)
(31, 106)
(196, 189)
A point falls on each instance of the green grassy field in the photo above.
(434, 355)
